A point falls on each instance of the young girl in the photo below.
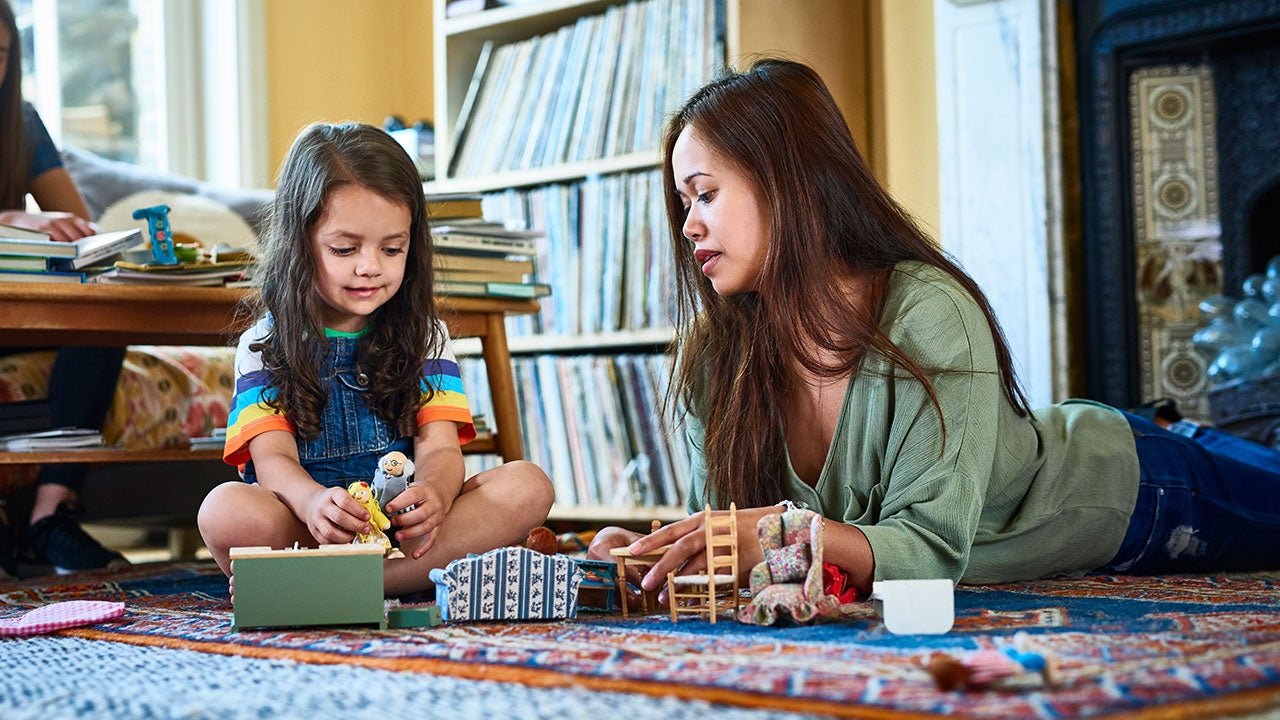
(831, 356)
(349, 361)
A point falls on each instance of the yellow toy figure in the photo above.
(364, 495)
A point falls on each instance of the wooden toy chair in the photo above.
(716, 588)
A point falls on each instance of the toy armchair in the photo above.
(787, 585)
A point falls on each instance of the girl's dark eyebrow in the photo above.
(693, 175)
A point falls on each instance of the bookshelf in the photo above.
(559, 131)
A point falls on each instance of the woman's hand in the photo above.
(429, 505)
(688, 552)
(334, 517)
(61, 226)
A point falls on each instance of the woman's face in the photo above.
(724, 218)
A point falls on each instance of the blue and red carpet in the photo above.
(1177, 646)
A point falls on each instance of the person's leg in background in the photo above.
(81, 387)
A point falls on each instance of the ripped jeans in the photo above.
(1206, 503)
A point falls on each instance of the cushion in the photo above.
(103, 182)
(789, 563)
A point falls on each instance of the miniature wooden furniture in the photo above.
(787, 584)
(50, 314)
(599, 589)
(623, 557)
(716, 589)
(329, 585)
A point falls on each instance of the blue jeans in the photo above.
(352, 437)
(1206, 503)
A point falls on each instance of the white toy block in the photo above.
(915, 607)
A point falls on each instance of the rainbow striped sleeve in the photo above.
(449, 401)
(249, 414)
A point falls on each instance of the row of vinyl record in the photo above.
(595, 424)
(604, 251)
(597, 88)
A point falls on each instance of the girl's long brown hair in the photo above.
(13, 132)
(402, 334)
(777, 123)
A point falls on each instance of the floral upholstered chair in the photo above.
(787, 584)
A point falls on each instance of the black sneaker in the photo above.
(61, 541)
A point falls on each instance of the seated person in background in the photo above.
(83, 380)
(348, 361)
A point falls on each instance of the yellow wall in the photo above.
(338, 60)
(904, 115)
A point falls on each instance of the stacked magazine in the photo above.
(66, 438)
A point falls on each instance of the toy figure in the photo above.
(162, 249)
(391, 477)
(1006, 668)
(377, 520)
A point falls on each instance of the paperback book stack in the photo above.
(474, 257)
(33, 256)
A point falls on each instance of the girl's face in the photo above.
(724, 219)
(361, 245)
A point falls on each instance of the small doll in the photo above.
(379, 521)
(391, 477)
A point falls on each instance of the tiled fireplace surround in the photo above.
(1179, 112)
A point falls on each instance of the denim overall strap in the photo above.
(352, 437)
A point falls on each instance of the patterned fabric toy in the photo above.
(788, 584)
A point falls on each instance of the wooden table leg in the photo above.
(502, 388)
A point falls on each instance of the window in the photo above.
(137, 81)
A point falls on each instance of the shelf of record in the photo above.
(609, 265)
(596, 425)
(576, 82)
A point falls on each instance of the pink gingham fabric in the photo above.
(61, 615)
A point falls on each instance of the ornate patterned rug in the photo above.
(1178, 646)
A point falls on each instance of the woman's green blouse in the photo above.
(1005, 498)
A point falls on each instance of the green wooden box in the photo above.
(329, 585)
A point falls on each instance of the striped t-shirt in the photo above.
(250, 415)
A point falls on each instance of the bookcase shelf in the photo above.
(616, 513)
(653, 339)
(545, 175)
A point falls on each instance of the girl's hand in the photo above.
(429, 504)
(688, 552)
(616, 537)
(61, 226)
(334, 517)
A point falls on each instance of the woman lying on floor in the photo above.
(832, 356)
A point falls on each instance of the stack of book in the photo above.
(33, 256)
(66, 438)
(227, 272)
(473, 257)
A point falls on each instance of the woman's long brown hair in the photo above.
(777, 123)
(13, 132)
(402, 334)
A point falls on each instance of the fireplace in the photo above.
(1179, 115)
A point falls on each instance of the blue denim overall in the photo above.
(352, 437)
